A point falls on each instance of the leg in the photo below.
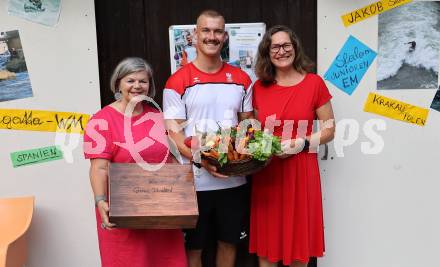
(225, 254)
(232, 207)
(298, 264)
(194, 258)
(263, 262)
(195, 239)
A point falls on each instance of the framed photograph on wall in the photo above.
(240, 49)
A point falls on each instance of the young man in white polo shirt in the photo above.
(204, 94)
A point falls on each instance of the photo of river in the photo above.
(409, 46)
(14, 77)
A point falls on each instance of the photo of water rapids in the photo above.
(409, 46)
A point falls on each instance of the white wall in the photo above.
(379, 210)
(63, 68)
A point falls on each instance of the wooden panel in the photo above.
(140, 28)
(162, 199)
(302, 19)
(121, 33)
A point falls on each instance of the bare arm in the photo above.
(327, 125)
(245, 115)
(325, 134)
(177, 135)
(99, 180)
(99, 176)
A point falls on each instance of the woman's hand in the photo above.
(291, 147)
(103, 209)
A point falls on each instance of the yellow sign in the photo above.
(371, 10)
(39, 120)
(396, 109)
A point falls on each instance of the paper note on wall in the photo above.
(14, 74)
(350, 65)
(436, 101)
(44, 12)
(371, 10)
(34, 156)
(39, 120)
(396, 109)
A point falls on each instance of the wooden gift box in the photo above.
(162, 199)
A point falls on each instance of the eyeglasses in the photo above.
(287, 47)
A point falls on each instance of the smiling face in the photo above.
(188, 39)
(134, 84)
(211, 35)
(279, 57)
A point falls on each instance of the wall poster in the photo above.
(409, 46)
(14, 77)
(239, 50)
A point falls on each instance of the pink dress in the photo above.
(286, 206)
(104, 138)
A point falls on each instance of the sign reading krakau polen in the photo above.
(396, 109)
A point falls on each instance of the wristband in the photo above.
(306, 145)
(100, 198)
(198, 165)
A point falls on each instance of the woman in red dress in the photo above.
(110, 136)
(286, 209)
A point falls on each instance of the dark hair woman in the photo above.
(286, 210)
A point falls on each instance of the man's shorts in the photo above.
(224, 212)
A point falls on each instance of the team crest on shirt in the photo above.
(243, 235)
(228, 77)
(196, 80)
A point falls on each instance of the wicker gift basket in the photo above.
(247, 151)
(239, 167)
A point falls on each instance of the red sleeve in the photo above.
(243, 79)
(98, 142)
(322, 95)
(178, 80)
(247, 81)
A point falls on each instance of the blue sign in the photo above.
(350, 65)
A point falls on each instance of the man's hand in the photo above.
(212, 169)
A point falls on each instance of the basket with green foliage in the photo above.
(239, 153)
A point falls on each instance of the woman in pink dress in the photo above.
(106, 140)
(286, 206)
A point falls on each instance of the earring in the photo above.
(118, 95)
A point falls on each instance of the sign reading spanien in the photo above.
(396, 109)
(33, 156)
(350, 65)
(371, 10)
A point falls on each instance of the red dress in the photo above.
(104, 138)
(286, 205)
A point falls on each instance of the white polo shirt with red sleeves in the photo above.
(207, 101)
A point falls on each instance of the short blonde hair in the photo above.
(210, 13)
